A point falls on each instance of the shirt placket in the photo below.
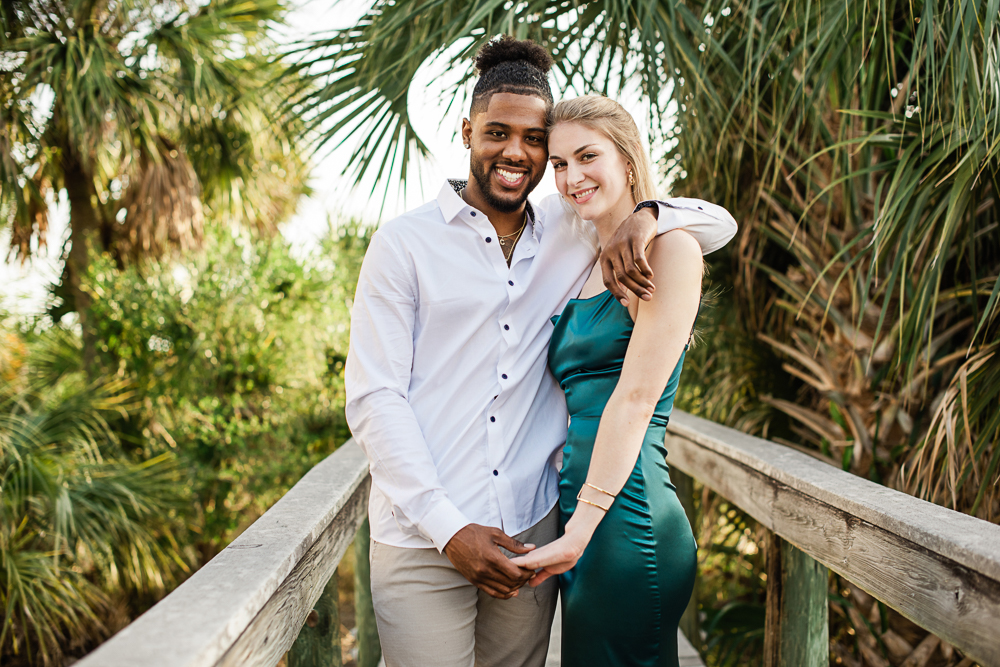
(497, 446)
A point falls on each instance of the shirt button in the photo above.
(506, 328)
(488, 239)
(493, 419)
(473, 214)
(510, 282)
(495, 473)
(504, 376)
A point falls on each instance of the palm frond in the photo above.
(362, 76)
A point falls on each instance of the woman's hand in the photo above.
(554, 558)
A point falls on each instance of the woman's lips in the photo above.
(583, 196)
(509, 178)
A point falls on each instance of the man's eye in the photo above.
(497, 134)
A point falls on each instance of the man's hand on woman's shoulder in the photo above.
(623, 261)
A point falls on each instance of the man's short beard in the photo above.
(486, 188)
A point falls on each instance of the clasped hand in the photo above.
(475, 553)
(554, 558)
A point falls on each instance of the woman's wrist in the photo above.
(584, 521)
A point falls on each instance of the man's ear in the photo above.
(466, 132)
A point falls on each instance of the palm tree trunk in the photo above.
(84, 228)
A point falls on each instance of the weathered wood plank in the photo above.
(204, 617)
(273, 630)
(369, 648)
(798, 612)
(939, 568)
(318, 643)
(689, 624)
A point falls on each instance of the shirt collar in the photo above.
(452, 205)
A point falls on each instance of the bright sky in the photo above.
(23, 289)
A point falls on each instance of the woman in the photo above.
(627, 556)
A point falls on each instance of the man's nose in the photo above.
(514, 150)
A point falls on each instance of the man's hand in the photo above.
(475, 553)
(554, 558)
(624, 258)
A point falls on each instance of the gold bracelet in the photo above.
(584, 500)
(597, 488)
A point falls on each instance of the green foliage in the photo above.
(227, 387)
(237, 357)
(79, 518)
(732, 591)
(157, 109)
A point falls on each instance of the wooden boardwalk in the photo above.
(686, 653)
(249, 604)
(688, 656)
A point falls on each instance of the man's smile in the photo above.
(511, 177)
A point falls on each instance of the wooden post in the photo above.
(369, 648)
(798, 612)
(689, 624)
(318, 643)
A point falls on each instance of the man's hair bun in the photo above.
(507, 49)
(508, 65)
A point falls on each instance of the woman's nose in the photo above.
(574, 175)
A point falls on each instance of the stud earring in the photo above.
(467, 145)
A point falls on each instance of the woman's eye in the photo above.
(558, 165)
(588, 156)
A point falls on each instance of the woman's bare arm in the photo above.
(662, 327)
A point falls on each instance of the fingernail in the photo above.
(529, 546)
(624, 302)
(647, 296)
(515, 594)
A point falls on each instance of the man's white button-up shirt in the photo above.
(448, 390)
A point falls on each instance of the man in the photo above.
(447, 387)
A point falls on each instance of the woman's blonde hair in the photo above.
(606, 116)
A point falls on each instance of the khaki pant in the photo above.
(429, 615)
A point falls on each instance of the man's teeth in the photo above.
(583, 193)
(509, 176)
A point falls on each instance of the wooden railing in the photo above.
(247, 605)
(936, 567)
(939, 568)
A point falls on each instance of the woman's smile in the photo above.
(584, 196)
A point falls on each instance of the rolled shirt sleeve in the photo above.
(710, 224)
(377, 378)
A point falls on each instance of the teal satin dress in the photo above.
(623, 600)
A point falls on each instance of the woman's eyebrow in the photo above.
(576, 152)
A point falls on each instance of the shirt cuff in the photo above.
(711, 225)
(442, 522)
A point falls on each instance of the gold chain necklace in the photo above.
(503, 237)
(517, 236)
